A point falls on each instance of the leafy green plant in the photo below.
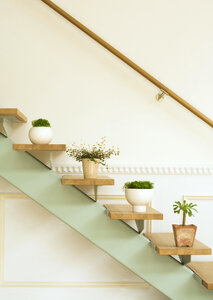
(96, 152)
(41, 123)
(138, 185)
(186, 208)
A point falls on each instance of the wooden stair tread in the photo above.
(165, 245)
(13, 114)
(124, 212)
(204, 270)
(38, 147)
(80, 180)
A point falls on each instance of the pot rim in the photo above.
(41, 127)
(97, 159)
(188, 225)
(138, 189)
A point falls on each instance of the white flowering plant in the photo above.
(96, 152)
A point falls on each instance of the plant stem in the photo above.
(184, 219)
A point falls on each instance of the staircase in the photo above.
(108, 232)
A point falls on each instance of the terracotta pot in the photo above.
(90, 168)
(184, 235)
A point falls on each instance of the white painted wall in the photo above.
(50, 69)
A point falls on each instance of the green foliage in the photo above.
(139, 185)
(185, 208)
(41, 123)
(96, 152)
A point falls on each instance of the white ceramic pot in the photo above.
(90, 168)
(40, 135)
(139, 198)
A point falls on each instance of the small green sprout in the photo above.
(186, 208)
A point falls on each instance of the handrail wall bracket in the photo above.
(129, 62)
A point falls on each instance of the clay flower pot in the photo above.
(90, 168)
(184, 235)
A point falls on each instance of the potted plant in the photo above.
(139, 194)
(40, 132)
(184, 234)
(92, 156)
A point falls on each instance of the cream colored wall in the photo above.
(50, 69)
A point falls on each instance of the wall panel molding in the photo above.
(197, 198)
(92, 284)
(2, 234)
(74, 284)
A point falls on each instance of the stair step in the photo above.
(124, 212)
(80, 180)
(38, 147)
(165, 245)
(13, 114)
(90, 220)
(204, 270)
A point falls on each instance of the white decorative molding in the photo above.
(74, 284)
(151, 169)
(197, 198)
(2, 231)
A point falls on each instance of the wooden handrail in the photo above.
(129, 62)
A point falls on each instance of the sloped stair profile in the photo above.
(90, 219)
(204, 270)
(8, 116)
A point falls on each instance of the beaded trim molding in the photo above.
(140, 170)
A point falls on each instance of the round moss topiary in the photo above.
(138, 185)
(41, 123)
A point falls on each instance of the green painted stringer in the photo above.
(90, 219)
